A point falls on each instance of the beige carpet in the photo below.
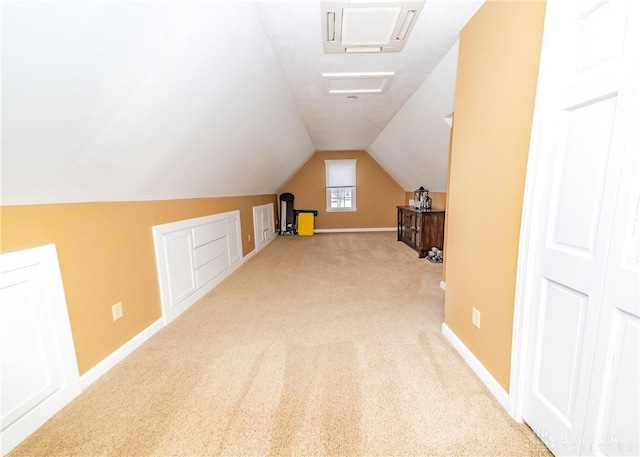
(324, 345)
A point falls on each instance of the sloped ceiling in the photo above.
(142, 100)
(414, 147)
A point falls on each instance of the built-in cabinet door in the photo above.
(264, 224)
(180, 265)
(193, 256)
(582, 397)
(233, 239)
(38, 374)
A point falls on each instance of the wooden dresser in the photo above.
(421, 230)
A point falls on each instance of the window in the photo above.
(341, 184)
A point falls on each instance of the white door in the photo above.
(584, 333)
(39, 369)
(614, 402)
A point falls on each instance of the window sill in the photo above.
(341, 210)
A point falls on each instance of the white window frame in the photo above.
(344, 181)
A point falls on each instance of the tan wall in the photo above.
(106, 256)
(438, 199)
(497, 77)
(377, 194)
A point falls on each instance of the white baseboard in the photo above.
(489, 381)
(346, 230)
(119, 354)
(443, 285)
(127, 348)
(259, 248)
(248, 256)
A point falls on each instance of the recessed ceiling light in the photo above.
(362, 50)
(356, 83)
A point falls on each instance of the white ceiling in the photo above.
(141, 100)
(333, 122)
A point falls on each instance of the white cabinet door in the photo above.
(234, 240)
(39, 371)
(193, 256)
(585, 333)
(263, 225)
(179, 263)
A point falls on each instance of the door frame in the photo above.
(537, 174)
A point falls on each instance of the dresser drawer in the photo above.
(208, 252)
(210, 270)
(206, 233)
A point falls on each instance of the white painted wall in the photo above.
(143, 100)
(414, 147)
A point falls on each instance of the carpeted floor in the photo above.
(323, 345)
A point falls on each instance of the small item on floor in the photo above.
(287, 218)
(305, 219)
(435, 255)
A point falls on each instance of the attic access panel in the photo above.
(358, 27)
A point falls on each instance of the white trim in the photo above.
(525, 273)
(119, 354)
(251, 254)
(341, 210)
(530, 226)
(127, 348)
(346, 230)
(489, 381)
(266, 243)
(443, 285)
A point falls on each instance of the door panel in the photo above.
(207, 252)
(179, 265)
(557, 359)
(39, 372)
(580, 194)
(32, 374)
(233, 237)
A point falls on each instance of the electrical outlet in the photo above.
(475, 317)
(116, 311)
